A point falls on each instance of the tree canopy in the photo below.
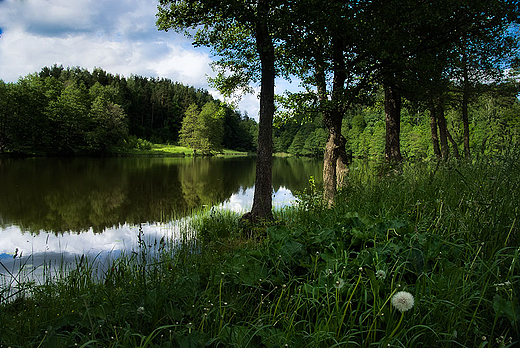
(68, 111)
(345, 51)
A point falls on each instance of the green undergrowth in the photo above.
(145, 148)
(314, 277)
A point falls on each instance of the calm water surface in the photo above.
(60, 208)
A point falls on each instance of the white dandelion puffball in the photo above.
(380, 274)
(403, 301)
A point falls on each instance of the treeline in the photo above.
(67, 111)
(494, 123)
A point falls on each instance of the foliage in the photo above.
(204, 130)
(319, 278)
(73, 111)
(494, 120)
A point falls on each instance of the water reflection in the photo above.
(60, 208)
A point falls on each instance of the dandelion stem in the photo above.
(349, 302)
(396, 328)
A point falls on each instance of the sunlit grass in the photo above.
(171, 149)
(176, 150)
(447, 235)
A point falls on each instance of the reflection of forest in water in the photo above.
(75, 194)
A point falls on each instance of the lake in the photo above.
(55, 209)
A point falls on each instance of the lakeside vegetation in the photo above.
(447, 233)
(149, 149)
(72, 111)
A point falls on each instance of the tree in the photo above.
(204, 130)
(231, 28)
(107, 124)
(480, 60)
(4, 106)
(68, 116)
(188, 135)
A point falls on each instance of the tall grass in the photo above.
(316, 277)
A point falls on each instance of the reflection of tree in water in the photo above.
(62, 195)
(212, 181)
(76, 194)
(294, 173)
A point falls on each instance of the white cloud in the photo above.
(118, 36)
(81, 33)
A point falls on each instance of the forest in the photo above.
(494, 121)
(71, 111)
(67, 111)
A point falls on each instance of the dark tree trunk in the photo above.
(465, 99)
(453, 144)
(433, 128)
(262, 201)
(393, 124)
(333, 118)
(443, 131)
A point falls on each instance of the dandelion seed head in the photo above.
(403, 301)
(380, 274)
(339, 283)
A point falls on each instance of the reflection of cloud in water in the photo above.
(122, 237)
(56, 251)
(243, 200)
(48, 248)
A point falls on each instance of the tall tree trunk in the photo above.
(465, 100)
(333, 118)
(433, 128)
(393, 124)
(443, 130)
(262, 201)
(453, 144)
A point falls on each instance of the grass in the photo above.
(172, 151)
(315, 277)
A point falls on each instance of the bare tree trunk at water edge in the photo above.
(262, 201)
(393, 124)
(333, 119)
(435, 134)
(329, 170)
(443, 131)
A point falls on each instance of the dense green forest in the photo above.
(73, 111)
(69, 111)
(494, 117)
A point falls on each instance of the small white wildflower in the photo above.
(339, 283)
(403, 301)
(380, 274)
(140, 310)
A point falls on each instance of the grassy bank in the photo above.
(446, 235)
(170, 151)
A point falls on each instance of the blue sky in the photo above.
(118, 36)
